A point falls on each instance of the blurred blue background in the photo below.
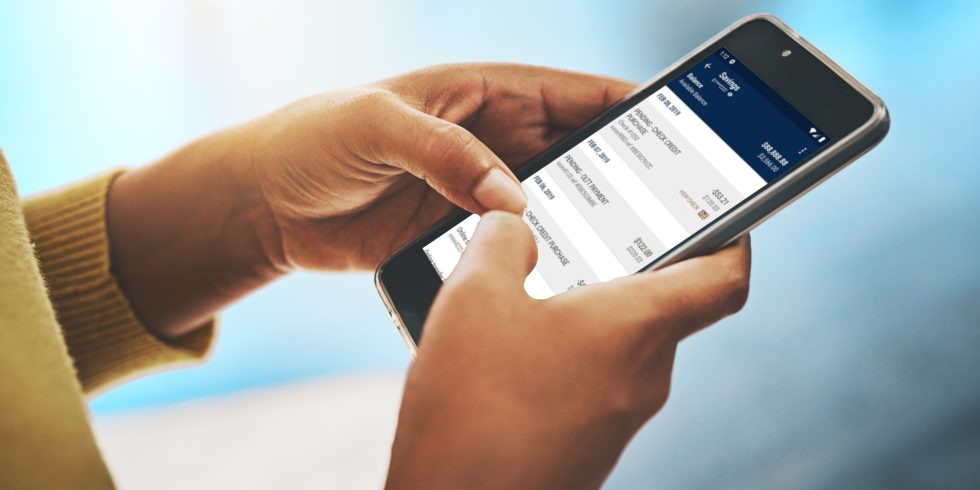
(857, 360)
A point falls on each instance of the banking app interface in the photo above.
(653, 177)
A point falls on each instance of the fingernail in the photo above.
(498, 191)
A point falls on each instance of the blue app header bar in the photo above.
(758, 124)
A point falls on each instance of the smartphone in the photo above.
(693, 159)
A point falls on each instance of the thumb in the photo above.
(449, 158)
(501, 254)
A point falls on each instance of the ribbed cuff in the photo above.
(104, 337)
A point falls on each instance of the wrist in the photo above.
(260, 227)
(184, 237)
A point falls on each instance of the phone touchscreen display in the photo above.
(664, 169)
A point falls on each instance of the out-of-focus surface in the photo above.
(854, 364)
(330, 432)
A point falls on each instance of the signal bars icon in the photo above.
(817, 136)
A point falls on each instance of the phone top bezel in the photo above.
(808, 80)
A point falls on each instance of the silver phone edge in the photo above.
(413, 348)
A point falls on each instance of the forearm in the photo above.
(183, 236)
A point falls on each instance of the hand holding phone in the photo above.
(682, 166)
(549, 340)
(546, 393)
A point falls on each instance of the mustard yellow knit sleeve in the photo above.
(105, 339)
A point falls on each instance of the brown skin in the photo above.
(513, 392)
(507, 392)
(332, 182)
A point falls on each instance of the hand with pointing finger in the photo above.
(348, 176)
(512, 392)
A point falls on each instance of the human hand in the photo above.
(348, 176)
(513, 392)
(335, 181)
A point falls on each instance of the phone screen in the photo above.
(657, 174)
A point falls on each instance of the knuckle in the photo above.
(640, 399)
(374, 98)
(452, 142)
(373, 110)
(737, 290)
(369, 107)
